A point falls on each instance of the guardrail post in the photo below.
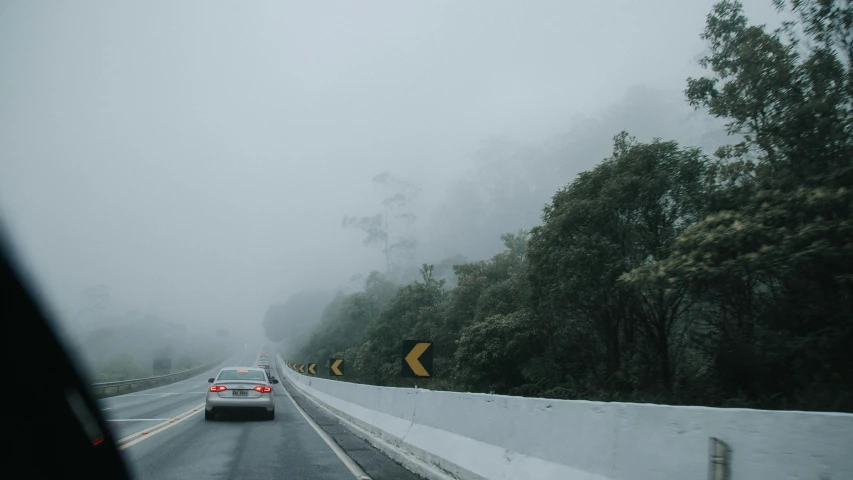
(718, 462)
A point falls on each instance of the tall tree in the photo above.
(622, 214)
(661, 274)
(790, 97)
(392, 229)
(774, 264)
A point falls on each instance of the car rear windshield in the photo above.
(242, 375)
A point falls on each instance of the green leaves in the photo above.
(516, 242)
(778, 233)
(792, 100)
(492, 352)
(621, 215)
(660, 274)
(772, 266)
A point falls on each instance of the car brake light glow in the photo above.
(218, 388)
(263, 389)
(242, 371)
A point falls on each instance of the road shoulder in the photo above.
(375, 463)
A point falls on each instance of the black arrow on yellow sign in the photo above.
(312, 368)
(336, 367)
(417, 358)
(301, 368)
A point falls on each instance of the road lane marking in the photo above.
(170, 421)
(138, 419)
(155, 432)
(142, 395)
(348, 462)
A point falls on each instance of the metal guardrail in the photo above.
(111, 389)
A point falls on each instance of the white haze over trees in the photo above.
(168, 169)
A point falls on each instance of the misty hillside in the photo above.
(547, 191)
(558, 201)
(114, 346)
(509, 183)
(643, 256)
(502, 192)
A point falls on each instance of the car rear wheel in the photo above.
(208, 415)
(270, 415)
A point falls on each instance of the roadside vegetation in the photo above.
(667, 273)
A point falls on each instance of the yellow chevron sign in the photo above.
(336, 367)
(417, 359)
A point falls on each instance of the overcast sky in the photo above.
(197, 157)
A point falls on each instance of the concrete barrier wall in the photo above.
(476, 436)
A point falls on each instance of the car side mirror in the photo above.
(274, 380)
(211, 380)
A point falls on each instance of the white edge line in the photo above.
(402, 457)
(346, 459)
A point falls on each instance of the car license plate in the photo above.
(239, 393)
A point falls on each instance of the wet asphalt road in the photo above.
(179, 444)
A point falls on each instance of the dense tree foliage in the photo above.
(666, 273)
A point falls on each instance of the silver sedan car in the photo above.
(241, 389)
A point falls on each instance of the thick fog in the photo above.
(194, 160)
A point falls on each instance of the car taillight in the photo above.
(263, 389)
(218, 388)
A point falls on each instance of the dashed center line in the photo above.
(137, 419)
(142, 395)
(141, 435)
